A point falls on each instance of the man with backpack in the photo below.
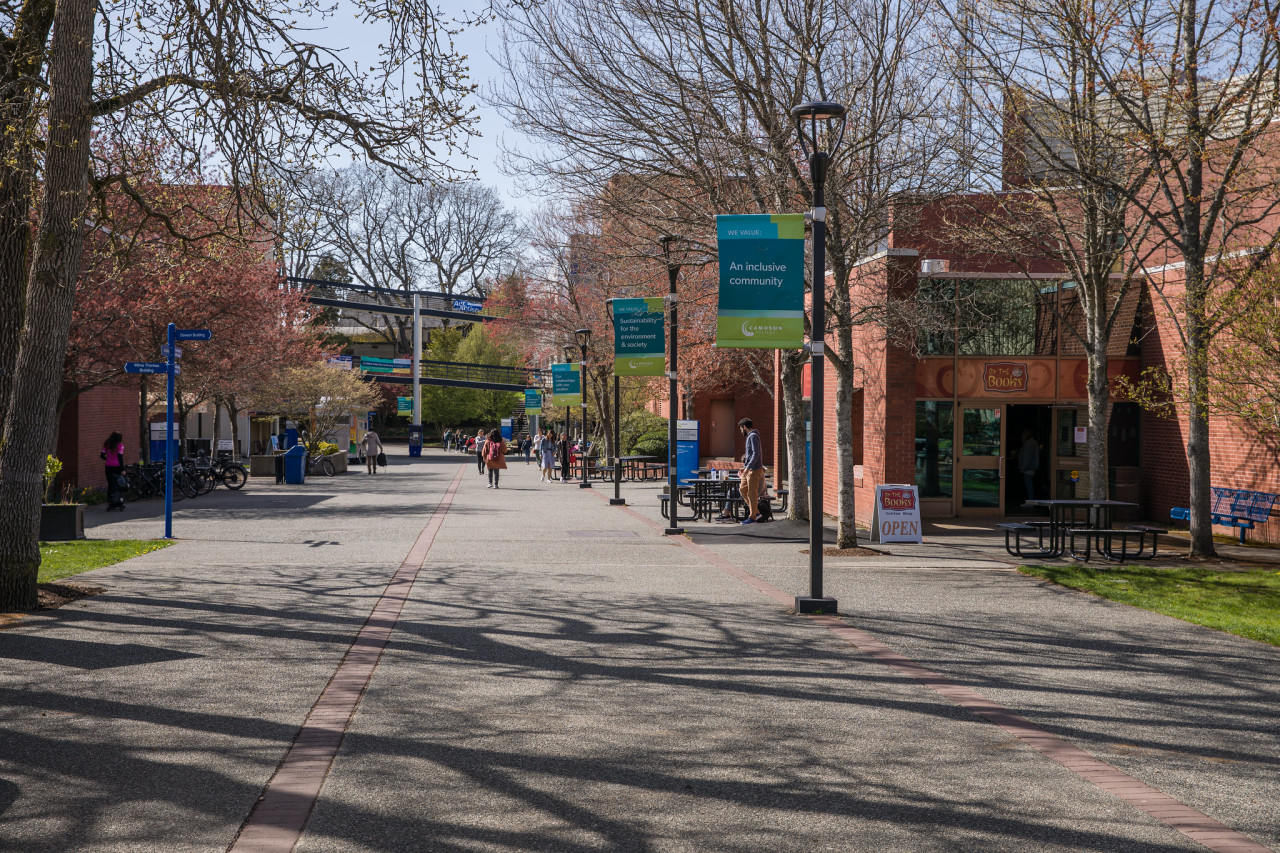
(752, 472)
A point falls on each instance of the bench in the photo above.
(1105, 543)
(1017, 529)
(1240, 508)
(665, 501)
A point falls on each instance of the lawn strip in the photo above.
(1243, 603)
(63, 559)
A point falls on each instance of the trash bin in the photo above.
(415, 441)
(295, 465)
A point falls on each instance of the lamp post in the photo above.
(820, 126)
(673, 272)
(617, 499)
(566, 469)
(583, 337)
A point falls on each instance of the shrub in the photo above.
(327, 448)
(642, 426)
(52, 467)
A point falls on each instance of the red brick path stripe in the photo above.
(1194, 824)
(277, 821)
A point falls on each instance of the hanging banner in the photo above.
(404, 405)
(761, 281)
(532, 401)
(639, 337)
(566, 384)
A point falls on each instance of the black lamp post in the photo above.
(673, 527)
(820, 126)
(566, 470)
(617, 499)
(583, 336)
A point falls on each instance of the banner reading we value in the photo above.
(761, 281)
(566, 384)
(639, 337)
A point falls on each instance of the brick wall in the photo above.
(85, 423)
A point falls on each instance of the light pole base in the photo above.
(673, 531)
(584, 485)
(617, 501)
(823, 606)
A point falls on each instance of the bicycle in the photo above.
(321, 463)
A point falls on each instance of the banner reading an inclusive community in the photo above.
(639, 339)
(566, 384)
(761, 281)
(532, 401)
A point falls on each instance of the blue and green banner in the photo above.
(566, 384)
(639, 337)
(532, 401)
(761, 281)
(404, 405)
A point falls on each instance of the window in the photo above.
(937, 300)
(1006, 317)
(935, 434)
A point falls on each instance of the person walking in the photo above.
(112, 456)
(371, 446)
(480, 443)
(547, 457)
(495, 457)
(1029, 463)
(752, 471)
(445, 439)
(526, 444)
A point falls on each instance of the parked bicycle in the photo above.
(320, 464)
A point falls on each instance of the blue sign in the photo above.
(164, 351)
(146, 367)
(468, 307)
(686, 450)
(193, 334)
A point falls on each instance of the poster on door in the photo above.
(896, 516)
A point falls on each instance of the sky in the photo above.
(476, 43)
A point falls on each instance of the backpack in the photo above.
(764, 508)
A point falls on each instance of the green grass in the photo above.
(60, 560)
(1243, 603)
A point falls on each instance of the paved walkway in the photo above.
(558, 676)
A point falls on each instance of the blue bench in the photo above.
(1240, 508)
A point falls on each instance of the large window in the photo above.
(935, 434)
(1006, 317)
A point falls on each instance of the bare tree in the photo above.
(453, 238)
(235, 77)
(1199, 94)
(1045, 131)
(671, 110)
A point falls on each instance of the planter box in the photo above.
(339, 461)
(60, 522)
(265, 466)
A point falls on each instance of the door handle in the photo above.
(1000, 467)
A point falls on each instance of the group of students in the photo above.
(546, 448)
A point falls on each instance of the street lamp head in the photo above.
(820, 125)
(583, 337)
(570, 352)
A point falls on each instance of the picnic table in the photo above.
(1083, 519)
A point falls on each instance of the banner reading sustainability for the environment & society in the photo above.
(761, 281)
(639, 337)
(566, 384)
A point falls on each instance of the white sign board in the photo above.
(896, 516)
(686, 430)
(1082, 435)
(225, 444)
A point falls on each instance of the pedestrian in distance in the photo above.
(526, 445)
(480, 443)
(444, 439)
(370, 448)
(547, 456)
(495, 457)
(112, 456)
(752, 471)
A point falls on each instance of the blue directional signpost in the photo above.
(170, 368)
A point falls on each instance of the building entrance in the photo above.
(1028, 447)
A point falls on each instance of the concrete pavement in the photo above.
(564, 678)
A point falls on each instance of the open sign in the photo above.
(896, 517)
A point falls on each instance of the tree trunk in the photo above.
(217, 425)
(22, 60)
(55, 267)
(793, 408)
(144, 424)
(847, 523)
(1198, 460)
(233, 415)
(1099, 420)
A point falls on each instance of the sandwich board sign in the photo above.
(896, 516)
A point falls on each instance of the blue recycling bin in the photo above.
(295, 465)
(415, 441)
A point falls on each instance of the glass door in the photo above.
(981, 464)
